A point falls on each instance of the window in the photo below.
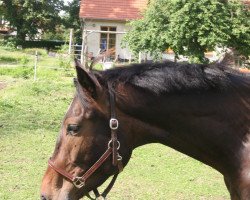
(108, 40)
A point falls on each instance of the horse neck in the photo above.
(192, 124)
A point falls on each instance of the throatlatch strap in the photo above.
(111, 184)
(113, 131)
(106, 191)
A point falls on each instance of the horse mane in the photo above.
(168, 77)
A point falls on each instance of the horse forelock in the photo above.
(168, 77)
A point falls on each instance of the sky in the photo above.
(66, 1)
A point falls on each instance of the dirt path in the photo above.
(2, 85)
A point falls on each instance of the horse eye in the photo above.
(73, 129)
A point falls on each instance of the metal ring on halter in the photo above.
(118, 144)
(113, 123)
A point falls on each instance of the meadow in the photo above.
(30, 117)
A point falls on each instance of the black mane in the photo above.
(168, 77)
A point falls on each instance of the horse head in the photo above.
(90, 147)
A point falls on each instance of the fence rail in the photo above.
(40, 66)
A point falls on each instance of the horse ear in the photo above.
(87, 79)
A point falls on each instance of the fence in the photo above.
(33, 62)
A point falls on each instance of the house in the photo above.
(4, 26)
(246, 2)
(104, 24)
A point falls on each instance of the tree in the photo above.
(28, 16)
(191, 27)
(72, 20)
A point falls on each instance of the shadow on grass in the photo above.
(7, 59)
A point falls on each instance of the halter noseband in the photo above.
(112, 148)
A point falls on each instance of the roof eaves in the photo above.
(105, 19)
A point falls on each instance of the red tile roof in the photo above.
(112, 9)
(247, 2)
(116, 9)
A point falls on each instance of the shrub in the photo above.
(8, 44)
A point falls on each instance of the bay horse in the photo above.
(202, 111)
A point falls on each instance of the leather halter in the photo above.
(112, 148)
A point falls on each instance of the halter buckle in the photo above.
(78, 182)
(119, 157)
(113, 124)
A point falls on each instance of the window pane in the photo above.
(112, 28)
(103, 42)
(108, 40)
(104, 28)
(112, 41)
(104, 35)
(112, 36)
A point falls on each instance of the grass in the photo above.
(7, 59)
(30, 117)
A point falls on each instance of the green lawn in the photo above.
(30, 117)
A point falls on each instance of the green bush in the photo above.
(1, 42)
(8, 44)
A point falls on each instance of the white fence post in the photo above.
(140, 57)
(84, 47)
(35, 69)
(70, 40)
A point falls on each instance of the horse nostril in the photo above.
(43, 197)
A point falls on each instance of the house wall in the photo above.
(93, 39)
(93, 42)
